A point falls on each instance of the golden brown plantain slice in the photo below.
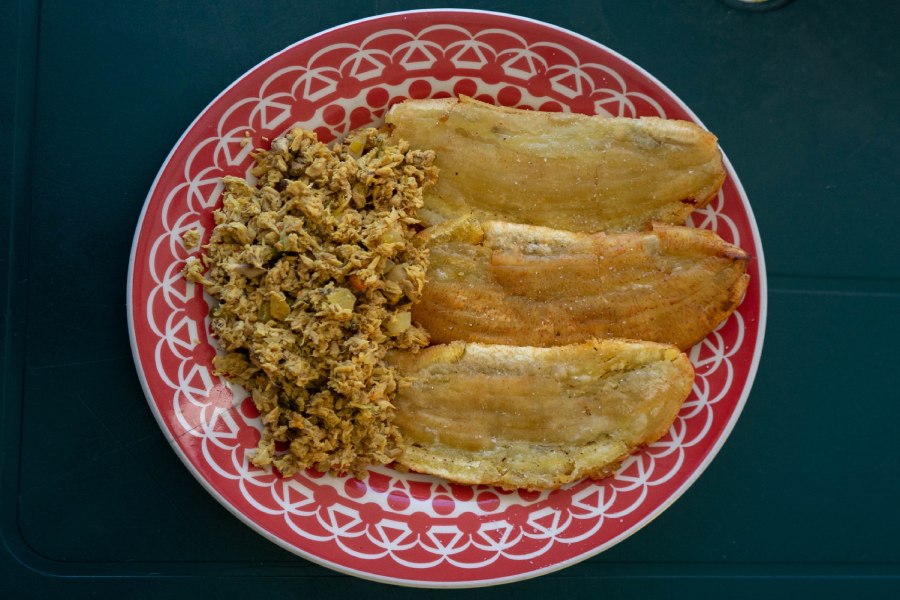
(536, 418)
(567, 171)
(523, 285)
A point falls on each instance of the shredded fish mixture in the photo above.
(315, 272)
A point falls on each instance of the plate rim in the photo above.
(469, 583)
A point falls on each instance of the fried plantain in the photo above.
(568, 171)
(535, 418)
(524, 285)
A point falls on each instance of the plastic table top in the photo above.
(803, 497)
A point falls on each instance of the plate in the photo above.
(393, 527)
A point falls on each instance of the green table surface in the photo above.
(801, 501)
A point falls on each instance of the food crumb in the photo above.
(190, 238)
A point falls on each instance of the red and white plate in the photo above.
(396, 527)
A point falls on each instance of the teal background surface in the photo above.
(803, 498)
